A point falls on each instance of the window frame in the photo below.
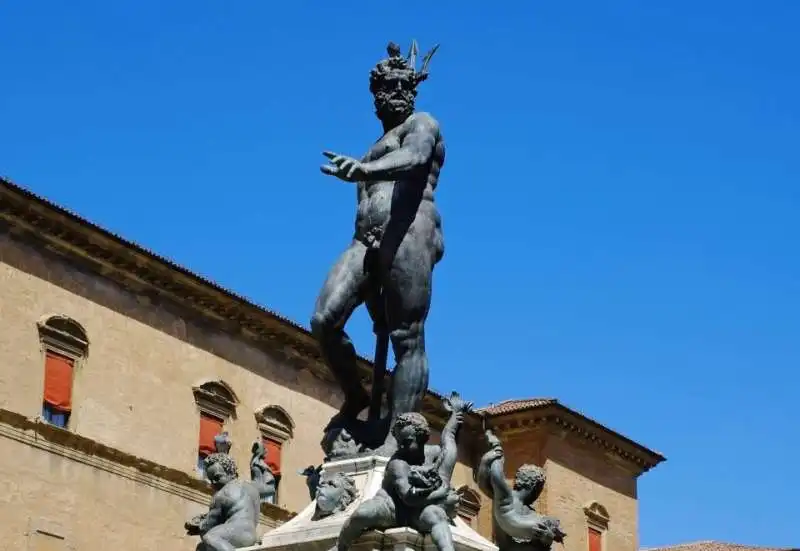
(468, 509)
(274, 423)
(214, 399)
(73, 345)
(597, 520)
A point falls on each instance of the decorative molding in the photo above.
(215, 398)
(275, 422)
(560, 417)
(72, 344)
(469, 504)
(86, 451)
(562, 421)
(596, 515)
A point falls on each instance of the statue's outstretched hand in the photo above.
(457, 405)
(495, 453)
(343, 167)
(492, 439)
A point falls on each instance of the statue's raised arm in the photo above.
(490, 474)
(520, 527)
(448, 456)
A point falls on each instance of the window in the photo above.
(469, 504)
(65, 346)
(595, 540)
(210, 426)
(217, 404)
(276, 428)
(597, 523)
(273, 449)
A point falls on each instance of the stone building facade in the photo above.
(718, 546)
(116, 365)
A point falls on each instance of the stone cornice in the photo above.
(75, 447)
(150, 275)
(556, 416)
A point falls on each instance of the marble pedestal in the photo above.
(302, 533)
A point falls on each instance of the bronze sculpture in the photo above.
(260, 473)
(389, 263)
(232, 516)
(334, 493)
(416, 490)
(518, 527)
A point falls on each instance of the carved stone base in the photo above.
(304, 533)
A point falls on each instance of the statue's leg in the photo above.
(407, 292)
(433, 520)
(340, 295)
(375, 513)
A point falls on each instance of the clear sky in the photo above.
(620, 197)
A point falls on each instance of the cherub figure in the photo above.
(232, 516)
(416, 490)
(519, 526)
(261, 474)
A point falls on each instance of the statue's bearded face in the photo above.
(394, 95)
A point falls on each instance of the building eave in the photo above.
(551, 412)
(153, 276)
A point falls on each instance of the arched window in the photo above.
(597, 520)
(65, 347)
(276, 428)
(216, 403)
(469, 504)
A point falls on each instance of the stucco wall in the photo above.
(134, 391)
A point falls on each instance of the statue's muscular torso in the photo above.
(409, 201)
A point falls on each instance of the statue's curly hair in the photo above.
(395, 63)
(346, 483)
(414, 420)
(228, 464)
(530, 477)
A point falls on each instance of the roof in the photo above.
(520, 404)
(718, 546)
(149, 274)
(523, 412)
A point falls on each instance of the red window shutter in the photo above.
(273, 448)
(58, 381)
(210, 426)
(595, 540)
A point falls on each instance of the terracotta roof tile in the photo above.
(509, 406)
(717, 546)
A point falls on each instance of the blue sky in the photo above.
(620, 197)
